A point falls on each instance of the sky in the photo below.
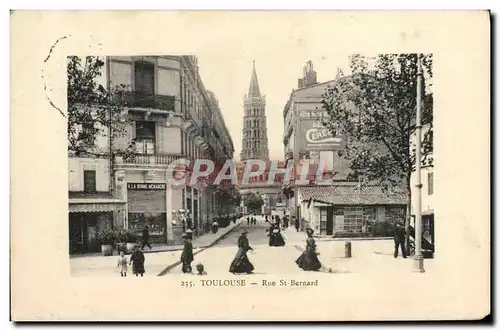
(278, 70)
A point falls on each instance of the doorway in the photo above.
(329, 221)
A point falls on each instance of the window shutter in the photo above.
(131, 130)
(160, 137)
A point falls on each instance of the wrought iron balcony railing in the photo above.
(144, 100)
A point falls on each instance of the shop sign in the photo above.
(146, 186)
(315, 137)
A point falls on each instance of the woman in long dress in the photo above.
(241, 263)
(187, 254)
(275, 237)
(137, 258)
(308, 260)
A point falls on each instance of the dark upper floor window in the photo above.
(89, 181)
(145, 78)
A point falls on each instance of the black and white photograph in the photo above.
(217, 166)
(348, 174)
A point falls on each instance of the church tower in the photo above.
(254, 141)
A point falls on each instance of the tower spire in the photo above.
(254, 91)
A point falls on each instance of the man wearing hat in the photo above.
(241, 263)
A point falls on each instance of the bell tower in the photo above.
(254, 142)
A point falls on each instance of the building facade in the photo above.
(337, 205)
(168, 115)
(349, 207)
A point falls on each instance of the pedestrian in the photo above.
(189, 222)
(248, 220)
(308, 260)
(275, 237)
(215, 227)
(285, 221)
(278, 221)
(254, 220)
(297, 224)
(187, 254)
(201, 269)
(399, 240)
(145, 237)
(137, 258)
(122, 264)
(241, 263)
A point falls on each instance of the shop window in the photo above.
(430, 183)
(353, 219)
(89, 181)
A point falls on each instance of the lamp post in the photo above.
(418, 258)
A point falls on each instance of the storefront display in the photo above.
(147, 207)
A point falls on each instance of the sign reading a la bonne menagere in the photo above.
(314, 136)
(146, 186)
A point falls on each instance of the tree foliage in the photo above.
(92, 110)
(375, 108)
(253, 202)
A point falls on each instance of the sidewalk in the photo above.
(370, 256)
(156, 260)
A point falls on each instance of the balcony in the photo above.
(147, 160)
(135, 99)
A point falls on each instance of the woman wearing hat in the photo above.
(275, 237)
(241, 263)
(187, 254)
(308, 260)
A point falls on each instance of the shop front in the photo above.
(87, 218)
(342, 209)
(147, 206)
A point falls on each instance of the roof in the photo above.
(254, 91)
(349, 194)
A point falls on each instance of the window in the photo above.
(430, 183)
(353, 219)
(145, 137)
(322, 220)
(87, 128)
(89, 181)
(145, 78)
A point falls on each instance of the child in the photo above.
(201, 269)
(122, 264)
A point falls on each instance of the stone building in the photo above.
(168, 115)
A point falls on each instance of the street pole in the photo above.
(418, 258)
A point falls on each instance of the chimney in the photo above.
(309, 75)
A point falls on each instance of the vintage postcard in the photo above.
(250, 166)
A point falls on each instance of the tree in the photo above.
(253, 202)
(375, 108)
(92, 110)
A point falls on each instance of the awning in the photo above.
(95, 205)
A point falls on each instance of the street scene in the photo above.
(158, 186)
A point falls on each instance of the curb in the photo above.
(354, 239)
(200, 249)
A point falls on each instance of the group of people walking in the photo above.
(251, 220)
(136, 260)
(307, 261)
